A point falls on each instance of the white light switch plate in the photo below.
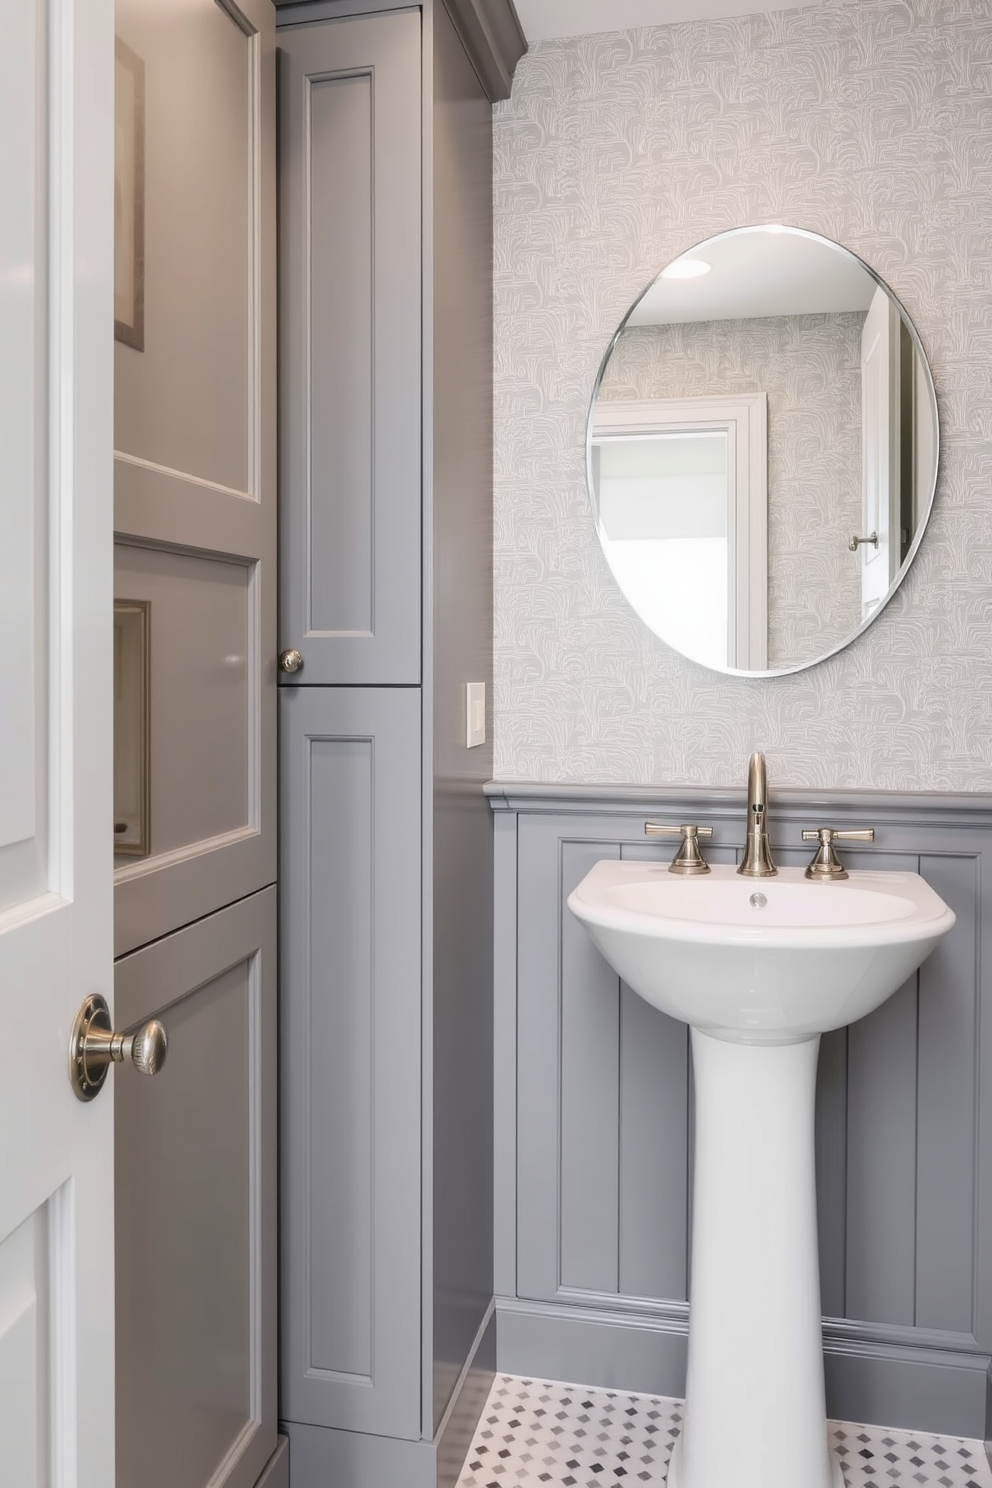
(475, 714)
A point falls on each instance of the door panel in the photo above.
(200, 633)
(184, 401)
(24, 1360)
(56, 1159)
(350, 183)
(197, 1214)
(350, 1040)
(195, 469)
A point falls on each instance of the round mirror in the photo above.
(762, 450)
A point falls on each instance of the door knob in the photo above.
(94, 1047)
(290, 661)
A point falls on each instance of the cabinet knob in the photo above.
(290, 661)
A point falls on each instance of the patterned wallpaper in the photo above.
(869, 121)
(810, 368)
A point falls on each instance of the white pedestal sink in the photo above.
(759, 969)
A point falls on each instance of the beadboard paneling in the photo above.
(600, 1158)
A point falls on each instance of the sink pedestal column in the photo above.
(755, 1415)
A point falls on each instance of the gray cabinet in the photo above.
(351, 1030)
(388, 1330)
(350, 366)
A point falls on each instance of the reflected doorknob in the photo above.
(290, 661)
(94, 1047)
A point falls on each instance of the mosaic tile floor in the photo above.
(534, 1432)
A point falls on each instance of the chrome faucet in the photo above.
(757, 850)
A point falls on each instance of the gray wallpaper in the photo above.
(869, 122)
(810, 368)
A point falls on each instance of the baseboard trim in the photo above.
(275, 1474)
(325, 1457)
(615, 1351)
(457, 1426)
(940, 1390)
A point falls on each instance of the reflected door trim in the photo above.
(744, 419)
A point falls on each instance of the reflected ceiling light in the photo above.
(686, 268)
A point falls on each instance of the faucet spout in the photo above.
(757, 862)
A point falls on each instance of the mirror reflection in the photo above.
(762, 450)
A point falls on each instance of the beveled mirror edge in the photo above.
(927, 512)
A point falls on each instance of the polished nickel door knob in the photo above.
(290, 661)
(94, 1047)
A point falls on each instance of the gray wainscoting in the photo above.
(594, 1118)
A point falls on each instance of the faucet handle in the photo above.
(688, 861)
(826, 867)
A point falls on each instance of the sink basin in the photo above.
(759, 967)
(760, 960)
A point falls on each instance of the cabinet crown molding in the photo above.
(490, 32)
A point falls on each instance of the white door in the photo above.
(56, 1153)
(880, 451)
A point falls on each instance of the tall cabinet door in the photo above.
(350, 1051)
(350, 366)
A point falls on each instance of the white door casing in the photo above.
(56, 316)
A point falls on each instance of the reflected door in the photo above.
(880, 517)
(680, 489)
(666, 505)
(56, 1154)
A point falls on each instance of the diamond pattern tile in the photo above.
(537, 1432)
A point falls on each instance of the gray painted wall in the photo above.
(594, 1119)
(460, 634)
(810, 368)
(862, 121)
